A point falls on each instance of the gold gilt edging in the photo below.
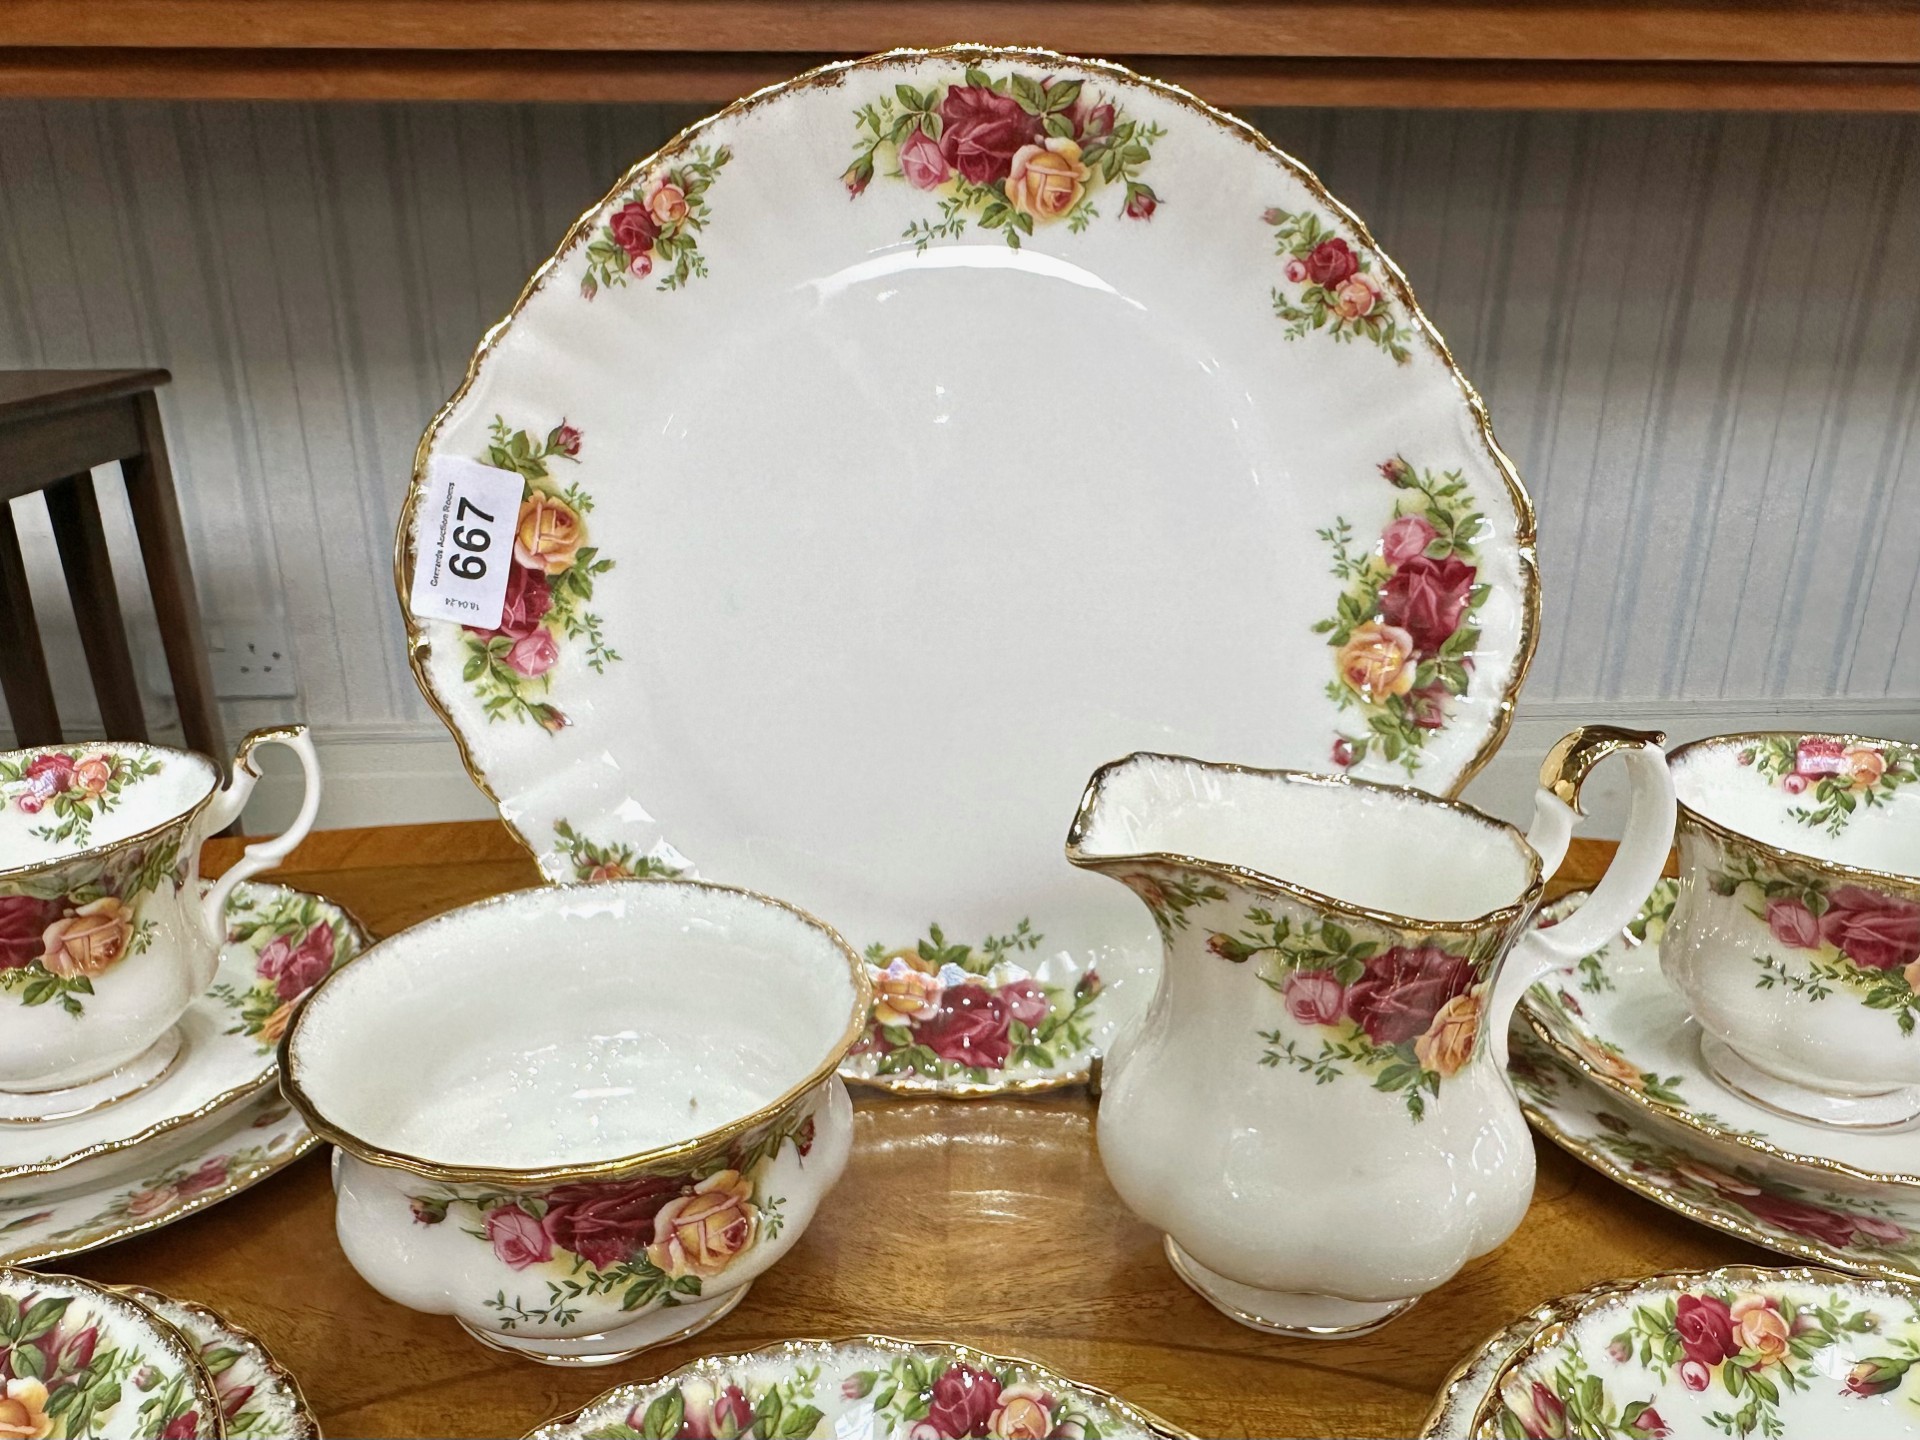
(1568, 1311)
(1451, 1417)
(255, 1347)
(718, 1365)
(419, 644)
(707, 1140)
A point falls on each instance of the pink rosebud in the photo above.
(1343, 752)
(517, 1238)
(1885, 1231)
(565, 439)
(1793, 784)
(533, 655)
(1026, 1002)
(1694, 1375)
(1745, 757)
(1296, 271)
(1792, 923)
(922, 162)
(1619, 1350)
(1314, 997)
(1141, 202)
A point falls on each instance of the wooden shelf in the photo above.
(1643, 54)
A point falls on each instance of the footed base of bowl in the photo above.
(1284, 1312)
(1897, 1109)
(40, 1107)
(610, 1347)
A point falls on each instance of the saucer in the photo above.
(84, 1360)
(244, 1146)
(1853, 1225)
(1725, 1354)
(259, 1398)
(1616, 1020)
(863, 1386)
(280, 942)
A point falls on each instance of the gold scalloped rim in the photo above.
(245, 1339)
(705, 1368)
(835, 74)
(1570, 1310)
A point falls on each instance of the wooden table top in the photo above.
(988, 1222)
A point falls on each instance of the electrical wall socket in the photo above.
(251, 659)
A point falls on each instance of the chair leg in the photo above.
(163, 547)
(82, 539)
(23, 665)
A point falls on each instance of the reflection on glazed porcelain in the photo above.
(105, 937)
(668, 647)
(859, 1389)
(1732, 1353)
(582, 1119)
(1796, 940)
(81, 1360)
(1326, 1047)
(279, 942)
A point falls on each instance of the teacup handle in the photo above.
(1636, 866)
(226, 806)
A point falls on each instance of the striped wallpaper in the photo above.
(1699, 336)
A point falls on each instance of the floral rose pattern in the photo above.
(920, 1392)
(653, 1240)
(53, 947)
(1852, 1231)
(1848, 936)
(949, 1011)
(1009, 154)
(588, 860)
(296, 940)
(1740, 1349)
(1406, 1014)
(657, 223)
(62, 1376)
(71, 787)
(549, 584)
(1404, 634)
(1333, 287)
(1837, 774)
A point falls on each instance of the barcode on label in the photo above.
(463, 542)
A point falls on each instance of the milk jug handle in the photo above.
(1635, 870)
(226, 806)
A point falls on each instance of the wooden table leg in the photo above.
(23, 665)
(75, 512)
(163, 546)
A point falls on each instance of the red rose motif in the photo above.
(970, 1028)
(962, 1401)
(23, 920)
(1815, 1223)
(922, 162)
(210, 1176)
(1705, 1326)
(1141, 202)
(607, 1222)
(1874, 930)
(297, 969)
(1330, 262)
(516, 1237)
(565, 439)
(1651, 1425)
(1090, 121)
(1026, 1002)
(182, 1427)
(732, 1412)
(981, 129)
(1426, 598)
(1403, 989)
(634, 229)
(1792, 923)
(54, 772)
(1427, 706)
(529, 598)
(1343, 752)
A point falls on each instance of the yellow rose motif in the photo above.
(275, 1025)
(1377, 661)
(549, 534)
(1760, 1327)
(1047, 181)
(1448, 1043)
(608, 870)
(23, 1411)
(1912, 974)
(1610, 1063)
(904, 991)
(93, 774)
(1023, 1412)
(1704, 1174)
(1863, 766)
(666, 202)
(702, 1233)
(90, 941)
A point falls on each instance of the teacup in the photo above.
(1796, 937)
(105, 937)
(581, 1119)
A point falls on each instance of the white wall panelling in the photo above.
(1699, 335)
